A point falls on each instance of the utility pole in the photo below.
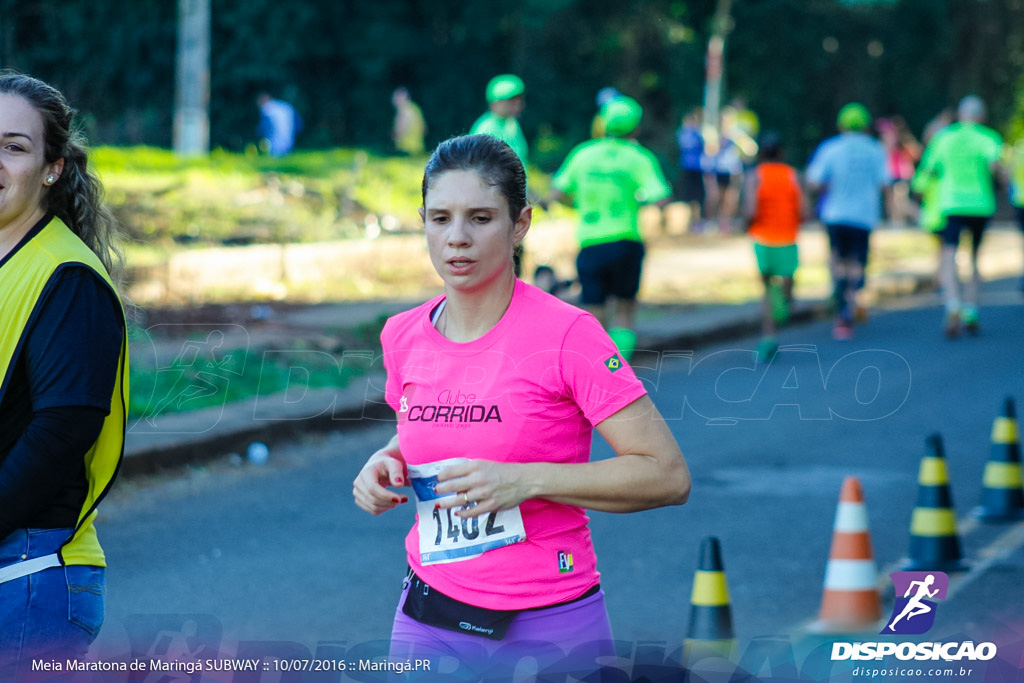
(8, 18)
(192, 79)
(715, 63)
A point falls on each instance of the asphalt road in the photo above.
(278, 559)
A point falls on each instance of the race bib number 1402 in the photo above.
(447, 538)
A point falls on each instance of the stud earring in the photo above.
(51, 179)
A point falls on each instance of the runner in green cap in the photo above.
(849, 169)
(963, 161)
(505, 103)
(853, 116)
(607, 180)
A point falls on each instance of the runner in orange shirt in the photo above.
(773, 207)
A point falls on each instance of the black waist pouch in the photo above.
(433, 608)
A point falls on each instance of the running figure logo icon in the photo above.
(914, 613)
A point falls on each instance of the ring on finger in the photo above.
(465, 497)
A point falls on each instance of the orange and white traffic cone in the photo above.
(850, 602)
(1002, 498)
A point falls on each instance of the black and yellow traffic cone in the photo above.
(710, 631)
(934, 543)
(1002, 498)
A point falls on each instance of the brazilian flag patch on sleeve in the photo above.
(613, 363)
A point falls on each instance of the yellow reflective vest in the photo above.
(23, 279)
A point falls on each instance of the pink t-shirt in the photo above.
(530, 390)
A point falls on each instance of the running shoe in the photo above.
(843, 330)
(767, 349)
(952, 325)
(969, 316)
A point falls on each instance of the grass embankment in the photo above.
(194, 374)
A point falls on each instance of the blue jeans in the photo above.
(52, 614)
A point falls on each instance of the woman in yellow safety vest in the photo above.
(63, 379)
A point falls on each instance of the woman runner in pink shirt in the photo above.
(497, 387)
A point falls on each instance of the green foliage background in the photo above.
(338, 61)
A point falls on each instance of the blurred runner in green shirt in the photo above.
(1017, 186)
(607, 180)
(963, 162)
(505, 103)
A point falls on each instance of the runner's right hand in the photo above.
(384, 469)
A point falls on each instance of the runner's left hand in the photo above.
(490, 485)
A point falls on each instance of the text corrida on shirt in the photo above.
(864, 385)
